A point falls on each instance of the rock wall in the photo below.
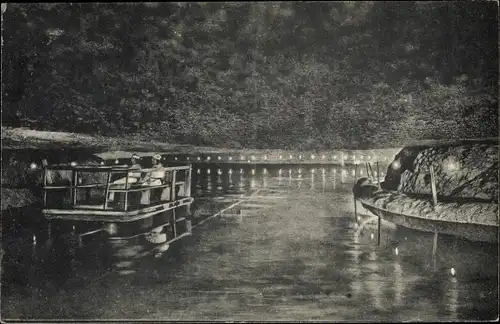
(464, 170)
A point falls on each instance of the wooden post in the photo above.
(378, 229)
(371, 170)
(355, 209)
(172, 186)
(367, 170)
(49, 229)
(74, 187)
(174, 223)
(434, 250)
(126, 192)
(378, 175)
(433, 185)
(106, 192)
(44, 185)
(342, 159)
(188, 184)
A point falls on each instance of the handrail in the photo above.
(114, 169)
(168, 180)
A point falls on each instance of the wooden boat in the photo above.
(81, 203)
(422, 222)
(411, 197)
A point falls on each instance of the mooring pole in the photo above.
(378, 229)
(378, 175)
(355, 209)
(355, 201)
(433, 185)
(434, 250)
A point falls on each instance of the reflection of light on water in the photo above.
(241, 171)
(230, 158)
(230, 171)
(398, 283)
(452, 295)
(208, 171)
(374, 284)
(198, 171)
(279, 172)
(219, 171)
(264, 171)
(313, 171)
(452, 271)
(219, 183)
(396, 251)
(253, 171)
(371, 236)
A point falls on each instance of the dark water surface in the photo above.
(291, 251)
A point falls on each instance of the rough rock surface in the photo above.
(462, 171)
(473, 213)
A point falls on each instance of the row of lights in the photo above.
(280, 171)
(265, 158)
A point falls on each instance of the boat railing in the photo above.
(133, 181)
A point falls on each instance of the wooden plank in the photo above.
(104, 213)
(109, 218)
(142, 188)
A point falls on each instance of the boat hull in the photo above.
(473, 232)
